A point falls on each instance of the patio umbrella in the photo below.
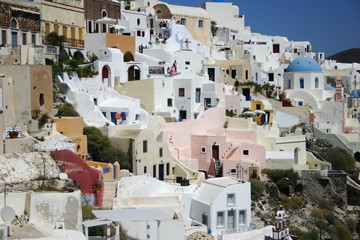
(258, 112)
(248, 114)
(105, 20)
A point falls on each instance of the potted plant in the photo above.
(13, 133)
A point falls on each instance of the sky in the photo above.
(331, 26)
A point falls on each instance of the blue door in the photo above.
(113, 119)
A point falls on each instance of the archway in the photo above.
(128, 57)
(134, 73)
(106, 75)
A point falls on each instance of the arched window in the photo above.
(134, 73)
(316, 82)
(138, 21)
(104, 13)
(301, 82)
(14, 23)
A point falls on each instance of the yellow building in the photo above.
(72, 127)
(65, 18)
(195, 19)
(265, 106)
(109, 171)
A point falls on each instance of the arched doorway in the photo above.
(128, 57)
(134, 73)
(106, 75)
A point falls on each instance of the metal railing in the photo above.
(72, 42)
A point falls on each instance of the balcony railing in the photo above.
(239, 229)
(72, 42)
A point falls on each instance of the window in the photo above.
(167, 169)
(183, 21)
(187, 62)
(169, 102)
(295, 50)
(41, 99)
(181, 92)
(33, 39)
(271, 77)
(289, 84)
(204, 219)
(104, 13)
(138, 21)
(160, 152)
(233, 73)
(200, 23)
(242, 217)
(316, 82)
(158, 11)
(143, 33)
(203, 150)
(246, 74)
(145, 146)
(154, 171)
(245, 152)
(89, 26)
(24, 41)
(300, 104)
(258, 107)
(138, 33)
(3, 37)
(47, 28)
(220, 220)
(301, 82)
(145, 170)
(231, 199)
(14, 24)
(197, 95)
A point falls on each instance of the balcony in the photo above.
(72, 42)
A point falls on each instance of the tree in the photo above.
(101, 149)
(340, 159)
(53, 39)
(66, 110)
(257, 188)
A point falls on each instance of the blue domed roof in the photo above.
(355, 94)
(304, 64)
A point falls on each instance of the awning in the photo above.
(105, 20)
(118, 26)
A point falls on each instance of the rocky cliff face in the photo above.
(20, 168)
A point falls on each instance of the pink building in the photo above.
(204, 144)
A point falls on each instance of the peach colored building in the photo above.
(94, 42)
(204, 144)
(72, 127)
(108, 170)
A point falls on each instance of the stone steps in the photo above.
(109, 194)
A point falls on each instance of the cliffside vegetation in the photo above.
(101, 149)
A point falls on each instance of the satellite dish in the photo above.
(7, 214)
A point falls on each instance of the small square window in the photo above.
(169, 102)
(181, 92)
(203, 150)
(245, 152)
(187, 62)
(231, 199)
(183, 21)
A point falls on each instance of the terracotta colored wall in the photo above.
(41, 83)
(84, 175)
(123, 42)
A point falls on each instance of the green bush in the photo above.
(257, 188)
(42, 120)
(340, 159)
(284, 179)
(291, 203)
(66, 110)
(101, 149)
